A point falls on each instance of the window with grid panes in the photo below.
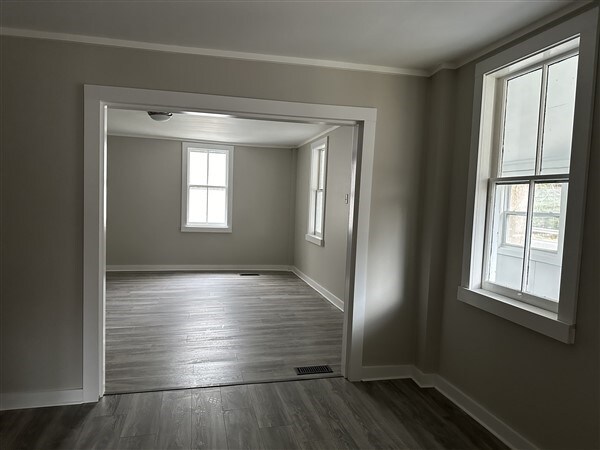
(318, 182)
(206, 189)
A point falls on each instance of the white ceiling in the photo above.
(395, 34)
(213, 129)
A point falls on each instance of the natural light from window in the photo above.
(206, 190)
(528, 195)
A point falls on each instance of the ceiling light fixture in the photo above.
(205, 114)
(160, 116)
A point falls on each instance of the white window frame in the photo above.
(317, 148)
(496, 179)
(186, 149)
(558, 324)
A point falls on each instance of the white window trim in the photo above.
(559, 325)
(311, 235)
(186, 147)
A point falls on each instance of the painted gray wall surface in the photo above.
(42, 188)
(327, 264)
(435, 178)
(144, 207)
(546, 390)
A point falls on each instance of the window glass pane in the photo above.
(319, 213)
(217, 169)
(197, 167)
(547, 204)
(217, 206)
(197, 205)
(322, 170)
(514, 231)
(545, 259)
(558, 121)
(507, 245)
(521, 120)
(314, 169)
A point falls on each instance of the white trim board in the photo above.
(154, 46)
(479, 413)
(194, 267)
(329, 296)
(23, 400)
(96, 101)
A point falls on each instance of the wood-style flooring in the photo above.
(329, 413)
(196, 329)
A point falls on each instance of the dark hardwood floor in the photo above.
(327, 413)
(196, 329)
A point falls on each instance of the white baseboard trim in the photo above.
(482, 415)
(195, 267)
(377, 373)
(431, 380)
(334, 300)
(22, 400)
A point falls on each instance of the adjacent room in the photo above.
(215, 225)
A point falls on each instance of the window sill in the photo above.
(200, 229)
(314, 239)
(532, 317)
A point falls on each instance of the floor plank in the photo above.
(309, 414)
(143, 415)
(175, 424)
(208, 425)
(195, 329)
(270, 411)
(277, 438)
(242, 429)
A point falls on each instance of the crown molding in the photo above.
(321, 134)
(153, 46)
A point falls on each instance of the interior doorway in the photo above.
(226, 249)
(98, 99)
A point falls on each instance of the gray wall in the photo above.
(144, 207)
(544, 389)
(435, 178)
(42, 188)
(327, 264)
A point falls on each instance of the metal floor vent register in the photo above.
(311, 370)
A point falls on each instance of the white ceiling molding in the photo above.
(443, 66)
(96, 40)
(342, 65)
(314, 138)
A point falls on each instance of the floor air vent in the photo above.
(249, 274)
(311, 370)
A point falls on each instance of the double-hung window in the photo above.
(318, 183)
(530, 180)
(207, 171)
(529, 153)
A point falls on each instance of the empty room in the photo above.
(207, 282)
(300, 224)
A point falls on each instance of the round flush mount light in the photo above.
(160, 116)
